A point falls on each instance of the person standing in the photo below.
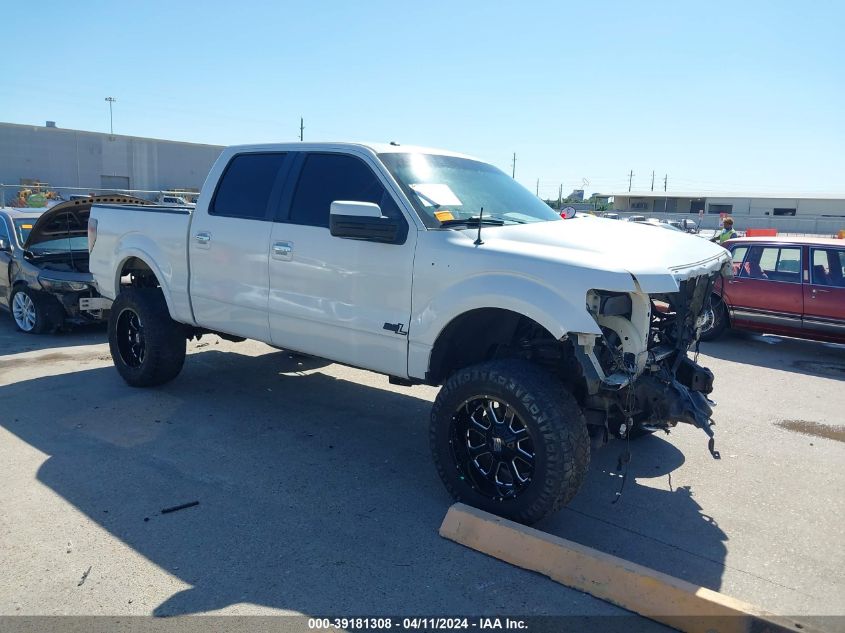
(727, 233)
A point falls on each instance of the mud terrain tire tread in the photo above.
(164, 339)
(554, 418)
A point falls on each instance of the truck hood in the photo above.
(657, 258)
(70, 219)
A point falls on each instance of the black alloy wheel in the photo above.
(130, 338)
(495, 447)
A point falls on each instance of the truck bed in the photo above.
(155, 233)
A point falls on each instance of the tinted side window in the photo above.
(329, 177)
(245, 187)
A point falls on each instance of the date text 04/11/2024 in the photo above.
(412, 623)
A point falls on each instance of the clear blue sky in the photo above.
(719, 95)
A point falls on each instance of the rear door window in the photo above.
(828, 267)
(244, 190)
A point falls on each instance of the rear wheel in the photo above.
(507, 438)
(34, 312)
(147, 346)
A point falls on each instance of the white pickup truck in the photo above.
(548, 336)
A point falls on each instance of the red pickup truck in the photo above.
(782, 285)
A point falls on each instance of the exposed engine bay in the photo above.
(69, 262)
(638, 374)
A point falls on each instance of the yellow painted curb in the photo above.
(649, 593)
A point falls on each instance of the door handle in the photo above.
(815, 290)
(283, 250)
(203, 238)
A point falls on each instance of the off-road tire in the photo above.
(164, 340)
(549, 413)
(720, 319)
(49, 313)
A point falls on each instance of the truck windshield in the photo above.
(448, 188)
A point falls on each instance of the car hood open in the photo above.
(70, 219)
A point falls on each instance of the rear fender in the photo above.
(173, 287)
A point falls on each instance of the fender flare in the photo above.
(526, 297)
(128, 253)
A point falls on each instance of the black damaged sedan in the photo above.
(44, 277)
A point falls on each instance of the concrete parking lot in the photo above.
(317, 494)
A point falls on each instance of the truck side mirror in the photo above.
(364, 221)
(4, 245)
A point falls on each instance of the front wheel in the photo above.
(35, 312)
(715, 319)
(147, 346)
(507, 438)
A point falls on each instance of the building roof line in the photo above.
(729, 194)
(121, 136)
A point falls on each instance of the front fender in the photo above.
(558, 314)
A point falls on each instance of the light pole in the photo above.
(111, 100)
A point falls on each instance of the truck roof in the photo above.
(378, 148)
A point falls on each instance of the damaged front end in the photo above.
(638, 374)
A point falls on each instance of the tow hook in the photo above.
(711, 446)
(711, 443)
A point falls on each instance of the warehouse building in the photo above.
(72, 161)
(790, 213)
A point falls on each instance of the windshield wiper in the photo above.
(471, 221)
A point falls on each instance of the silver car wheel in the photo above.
(709, 319)
(23, 311)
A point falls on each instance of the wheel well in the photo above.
(136, 273)
(488, 333)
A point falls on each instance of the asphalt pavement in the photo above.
(317, 494)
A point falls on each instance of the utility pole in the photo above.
(301, 128)
(652, 180)
(111, 100)
(513, 173)
(538, 187)
(665, 181)
(560, 196)
(630, 179)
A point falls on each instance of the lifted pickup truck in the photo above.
(548, 336)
